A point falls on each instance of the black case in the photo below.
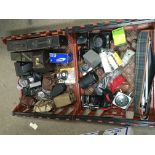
(17, 45)
(37, 43)
(41, 62)
(21, 56)
(46, 42)
(23, 68)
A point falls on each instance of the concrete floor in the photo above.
(9, 94)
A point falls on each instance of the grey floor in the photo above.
(9, 95)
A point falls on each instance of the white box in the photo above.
(119, 131)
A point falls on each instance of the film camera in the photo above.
(30, 84)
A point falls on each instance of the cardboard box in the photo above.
(61, 58)
(113, 131)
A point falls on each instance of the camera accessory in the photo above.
(104, 82)
(23, 83)
(31, 80)
(44, 106)
(43, 95)
(82, 39)
(117, 59)
(55, 41)
(89, 102)
(112, 61)
(58, 89)
(81, 51)
(35, 84)
(99, 88)
(21, 56)
(102, 86)
(127, 56)
(101, 40)
(116, 82)
(49, 81)
(41, 62)
(23, 68)
(95, 102)
(119, 36)
(88, 80)
(66, 75)
(85, 68)
(92, 58)
(30, 84)
(122, 100)
(17, 45)
(104, 61)
(64, 99)
(30, 91)
(100, 73)
(61, 58)
(90, 90)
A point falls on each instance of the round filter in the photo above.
(121, 100)
(64, 75)
(99, 41)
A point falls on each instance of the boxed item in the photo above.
(92, 58)
(113, 131)
(119, 36)
(37, 43)
(117, 59)
(64, 99)
(127, 56)
(61, 58)
(41, 62)
(17, 45)
(21, 56)
(119, 131)
(47, 42)
(105, 62)
(66, 75)
(112, 62)
(115, 83)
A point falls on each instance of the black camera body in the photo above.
(30, 84)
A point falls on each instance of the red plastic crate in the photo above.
(75, 111)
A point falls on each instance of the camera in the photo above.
(30, 84)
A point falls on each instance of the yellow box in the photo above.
(117, 59)
(119, 36)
